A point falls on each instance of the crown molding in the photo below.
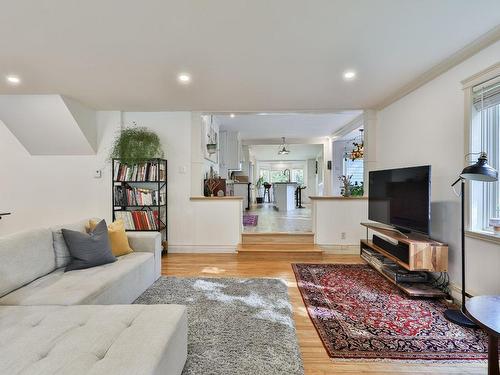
(349, 127)
(461, 55)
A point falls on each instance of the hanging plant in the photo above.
(136, 144)
(212, 139)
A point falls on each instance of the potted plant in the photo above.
(258, 184)
(136, 144)
(211, 139)
(345, 191)
(357, 190)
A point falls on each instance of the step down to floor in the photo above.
(274, 238)
(279, 248)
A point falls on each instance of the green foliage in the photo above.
(135, 145)
(259, 182)
(357, 190)
(258, 185)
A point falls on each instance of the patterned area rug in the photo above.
(360, 314)
(250, 220)
(236, 326)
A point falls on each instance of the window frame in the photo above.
(468, 85)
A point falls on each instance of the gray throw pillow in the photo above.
(88, 250)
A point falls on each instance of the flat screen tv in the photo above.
(401, 198)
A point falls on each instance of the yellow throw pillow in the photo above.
(117, 237)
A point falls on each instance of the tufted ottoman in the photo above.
(95, 340)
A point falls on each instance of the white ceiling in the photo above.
(243, 55)
(297, 152)
(290, 125)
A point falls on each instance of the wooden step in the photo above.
(279, 248)
(273, 238)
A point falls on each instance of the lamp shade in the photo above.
(480, 171)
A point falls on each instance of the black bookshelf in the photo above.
(133, 182)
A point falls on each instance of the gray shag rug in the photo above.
(236, 326)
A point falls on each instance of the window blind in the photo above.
(487, 94)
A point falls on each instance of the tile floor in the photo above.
(271, 220)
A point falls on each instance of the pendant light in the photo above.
(283, 149)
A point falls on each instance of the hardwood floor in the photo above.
(314, 356)
(271, 220)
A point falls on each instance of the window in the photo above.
(298, 176)
(264, 173)
(485, 136)
(354, 168)
(278, 176)
(274, 174)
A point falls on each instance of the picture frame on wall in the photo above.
(209, 138)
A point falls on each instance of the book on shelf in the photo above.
(132, 196)
(140, 220)
(148, 171)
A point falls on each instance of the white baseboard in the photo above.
(456, 293)
(201, 249)
(340, 249)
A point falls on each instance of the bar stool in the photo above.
(267, 190)
(298, 196)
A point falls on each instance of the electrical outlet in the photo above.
(97, 173)
(342, 236)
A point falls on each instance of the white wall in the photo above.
(47, 190)
(339, 148)
(214, 226)
(336, 221)
(427, 127)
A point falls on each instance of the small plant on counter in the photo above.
(345, 191)
(136, 144)
(357, 190)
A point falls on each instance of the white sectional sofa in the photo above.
(45, 329)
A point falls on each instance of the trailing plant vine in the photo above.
(136, 144)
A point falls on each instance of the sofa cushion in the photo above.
(24, 257)
(63, 257)
(119, 282)
(117, 237)
(88, 249)
(93, 340)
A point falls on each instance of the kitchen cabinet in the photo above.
(230, 150)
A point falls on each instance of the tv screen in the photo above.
(401, 198)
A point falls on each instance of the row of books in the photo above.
(140, 220)
(129, 196)
(150, 171)
(377, 260)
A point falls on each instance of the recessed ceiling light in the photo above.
(232, 115)
(13, 80)
(349, 75)
(184, 78)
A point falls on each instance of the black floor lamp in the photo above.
(480, 171)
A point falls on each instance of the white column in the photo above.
(197, 164)
(327, 173)
(370, 132)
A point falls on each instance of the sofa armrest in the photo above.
(149, 242)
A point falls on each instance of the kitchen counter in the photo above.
(284, 195)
